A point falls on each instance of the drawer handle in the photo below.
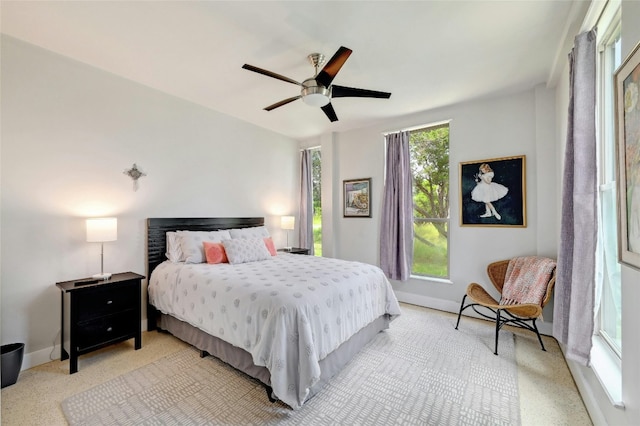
(109, 302)
(110, 329)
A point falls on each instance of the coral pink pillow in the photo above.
(270, 246)
(214, 252)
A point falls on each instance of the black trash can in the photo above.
(11, 362)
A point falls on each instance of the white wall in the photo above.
(515, 124)
(68, 133)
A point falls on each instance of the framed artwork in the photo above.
(493, 192)
(357, 198)
(627, 80)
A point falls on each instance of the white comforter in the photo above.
(288, 312)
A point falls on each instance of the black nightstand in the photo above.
(97, 313)
(295, 250)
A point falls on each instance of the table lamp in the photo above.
(101, 230)
(288, 223)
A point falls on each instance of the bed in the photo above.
(290, 321)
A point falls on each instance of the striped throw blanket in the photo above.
(526, 280)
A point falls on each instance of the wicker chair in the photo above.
(520, 315)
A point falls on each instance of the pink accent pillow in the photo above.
(270, 246)
(214, 252)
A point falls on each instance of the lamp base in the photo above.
(103, 276)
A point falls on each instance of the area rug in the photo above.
(420, 371)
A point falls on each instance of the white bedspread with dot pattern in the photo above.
(288, 312)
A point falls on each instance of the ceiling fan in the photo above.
(318, 90)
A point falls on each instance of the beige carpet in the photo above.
(420, 371)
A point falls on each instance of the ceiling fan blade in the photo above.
(352, 92)
(331, 114)
(269, 74)
(328, 73)
(282, 102)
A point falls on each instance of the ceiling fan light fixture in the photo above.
(316, 96)
(316, 100)
(318, 90)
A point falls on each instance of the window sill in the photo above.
(432, 279)
(606, 366)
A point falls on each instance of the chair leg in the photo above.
(535, 327)
(461, 309)
(497, 330)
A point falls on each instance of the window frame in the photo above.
(607, 153)
(606, 361)
(318, 246)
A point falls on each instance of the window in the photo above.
(316, 175)
(429, 148)
(609, 314)
(607, 342)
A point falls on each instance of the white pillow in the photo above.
(242, 250)
(191, 243)
(253, 232)
(174, 252)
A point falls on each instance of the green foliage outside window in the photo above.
(316, 170)
(430, 168)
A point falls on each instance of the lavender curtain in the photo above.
(396, 234)
(305, 229)
(573, 315)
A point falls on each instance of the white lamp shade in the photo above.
(102, 229)
(287, 222)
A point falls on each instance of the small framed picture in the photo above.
(357, 198)
(492, 192)
(627, 84)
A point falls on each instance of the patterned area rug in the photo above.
(420, 371)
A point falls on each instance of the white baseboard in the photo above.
(545, 328)
(33, 359)
(428, 302)
(591, 401)
(52, 353)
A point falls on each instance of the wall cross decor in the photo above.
(135, 173)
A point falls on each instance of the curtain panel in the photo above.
(573, 316)
(305, 230)
(396, 233)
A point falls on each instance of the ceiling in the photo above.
(428, 54)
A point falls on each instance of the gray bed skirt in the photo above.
(242, 360)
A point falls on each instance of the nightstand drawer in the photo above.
(105, 329)
(107, 300)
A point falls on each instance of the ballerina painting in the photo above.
(492, 192)
(487, 191)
